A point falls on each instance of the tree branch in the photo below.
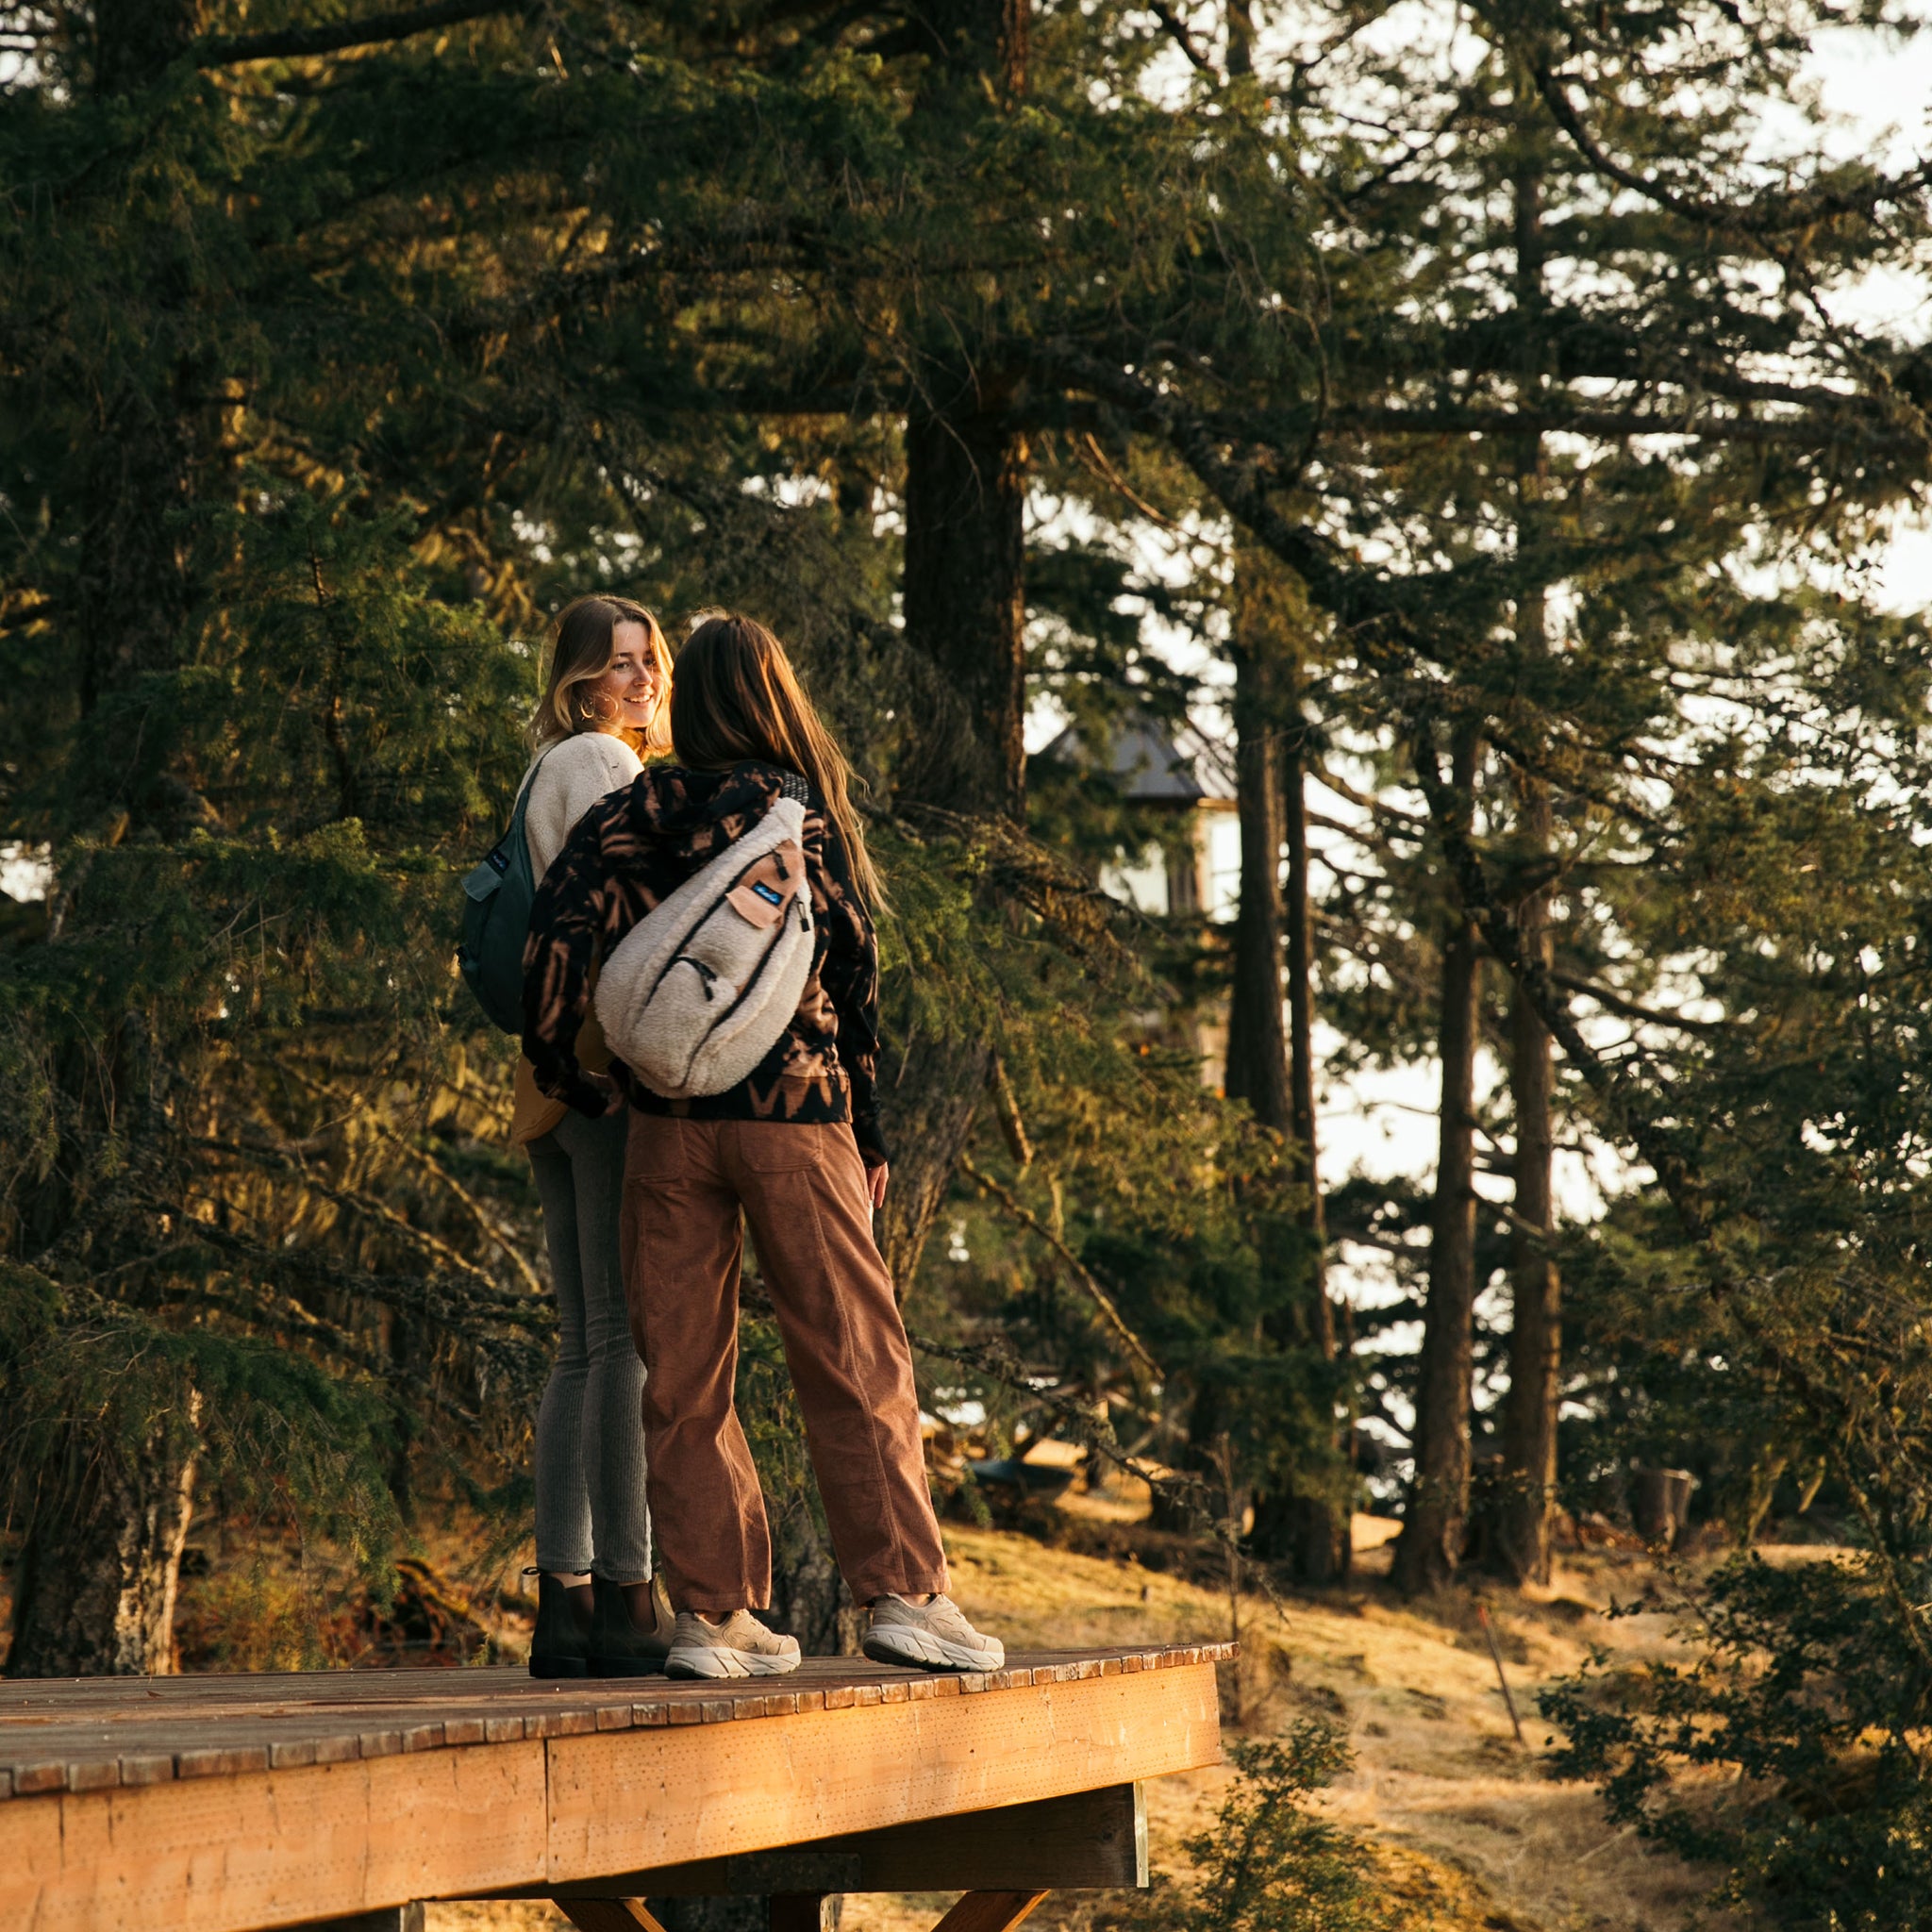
(1081, 1273)
(1500, 935)
(1801, 211)
(1346, 593)
(1178, 32)
(1616, 1003)
(1611, 425)
(296, 42)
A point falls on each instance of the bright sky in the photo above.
(1882, 88)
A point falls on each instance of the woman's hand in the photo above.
(875, 1184)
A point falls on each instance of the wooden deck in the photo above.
(226, 1804)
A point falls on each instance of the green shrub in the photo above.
(1789, 1753)
(1268, 1865)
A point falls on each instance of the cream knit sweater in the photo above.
(574, 776)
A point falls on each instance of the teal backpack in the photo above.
(497, 897)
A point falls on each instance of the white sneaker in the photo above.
(740, 1647)
(929, 1633)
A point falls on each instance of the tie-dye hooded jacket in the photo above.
(632, 851)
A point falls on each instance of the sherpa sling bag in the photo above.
(497, 897)
(704, 985)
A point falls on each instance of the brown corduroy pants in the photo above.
(801, 1189)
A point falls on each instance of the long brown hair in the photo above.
(583, 646)
(735, 696)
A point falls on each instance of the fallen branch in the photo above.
(1482, 1617)
(998, 1363)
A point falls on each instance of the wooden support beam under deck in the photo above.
(990, 1911)
(1083, 1840)
(609, 1915)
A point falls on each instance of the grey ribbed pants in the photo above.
(591, 1509)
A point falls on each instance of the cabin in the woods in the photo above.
(1195, 868)
(1179, 777)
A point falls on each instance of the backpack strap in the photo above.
(491, 956)
(529, 785)
(794, 787)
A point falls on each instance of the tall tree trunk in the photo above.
(1257, 1057)
(965, 617)
(965, 607)
(1323, 1544)
(135, 41)
(964, 596)
(95, 1583)
(964, 602)
(976, 43)
(132, 588)
(1241, 36)
(94, 1590)
(1272, 1065)
(1536, 1341)
(1535, 1338)
(1299, 959)
(1430, 1546)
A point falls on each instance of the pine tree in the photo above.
(1418, 436)
(325, 442)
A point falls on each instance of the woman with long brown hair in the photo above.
(794, 1148)
(603, 706)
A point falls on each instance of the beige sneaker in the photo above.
(929, 1633)
(740, 1647)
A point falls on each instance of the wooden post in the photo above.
(802, 1911)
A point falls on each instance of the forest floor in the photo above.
(1472, 1830)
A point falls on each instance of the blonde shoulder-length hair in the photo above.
(583, 645)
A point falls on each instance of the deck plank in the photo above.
(230, 1804)
(73, 1734)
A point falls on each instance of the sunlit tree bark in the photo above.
(1429, 1549)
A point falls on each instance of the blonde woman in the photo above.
(793, 1150)
(604, 704)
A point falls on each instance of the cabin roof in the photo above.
(1151, 763)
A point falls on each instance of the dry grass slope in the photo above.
(1473, 1833)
